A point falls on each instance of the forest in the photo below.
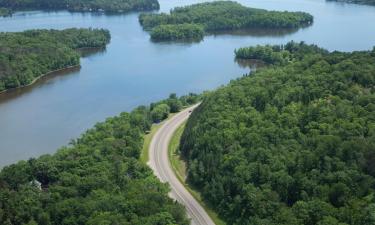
(113, 6)
(225, 15)
(25, 56)
(98, 179)
(171, 32)
(292, 143)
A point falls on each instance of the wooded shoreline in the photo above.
(40, 77)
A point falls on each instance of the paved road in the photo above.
(160, 164)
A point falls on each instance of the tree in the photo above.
(160, 112)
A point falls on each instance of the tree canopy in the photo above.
(292, 143)
(83, 5)
(277, 54)
(172, 32)
(98, 179)
(225, 15)
(27, 55)
(5, 12)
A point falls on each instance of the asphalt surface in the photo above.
(160, 164)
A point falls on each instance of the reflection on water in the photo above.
(185, 42)
(44, 80)
(258, 32)
(252, 64)
(50, 78)
(86, 52)
(251, 32)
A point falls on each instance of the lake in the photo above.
(133, 71)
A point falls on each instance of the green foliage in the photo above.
(98, 179)
(83, 5)
(277, 55)
(223, 15)
(289, 144)
(160, 112)
(265, 53)
(5, 12)
(27, 55)
(161, 109)
(171, 32)
(176, 104)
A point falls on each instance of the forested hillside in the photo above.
(225, 15)
(97, 180)
(82, 5)
(27, 55)
(293, 143)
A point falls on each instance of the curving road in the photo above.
(159, 163)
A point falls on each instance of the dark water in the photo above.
(133, 70)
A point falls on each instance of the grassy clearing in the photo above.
(179, 168)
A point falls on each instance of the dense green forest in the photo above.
(277, 55)
(5, 12)
(225, 15)
(27, 55)
(363, 2)
(97, 180)
(83, 5)
(171, 32)
(292, 143)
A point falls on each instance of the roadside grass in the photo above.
(148, 137)
(178, 164)
(179, 168)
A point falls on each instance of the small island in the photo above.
(29, 55)
(110, 6)
(218, 16)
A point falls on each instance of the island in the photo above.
(29, 55)
(219, 16)
(98, 179)
(110, 6)
(292, 143)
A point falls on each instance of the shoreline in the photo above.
(39, 77)
(79, 50)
